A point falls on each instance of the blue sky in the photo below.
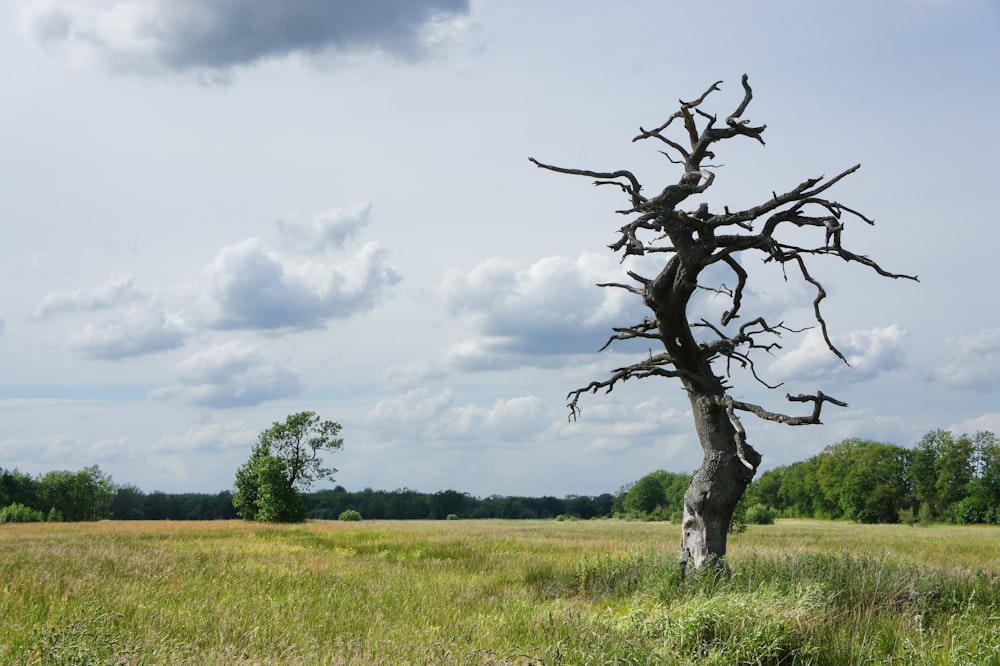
(214, 215)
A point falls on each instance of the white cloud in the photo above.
(233, 374)
(251, 286)
(207, 437)
(153, 36)
(64, 450)
(248, 286)
(552, 307)
(415, 407)
(137, 332)
(435, 417)
(410, 375)
(542, 315)
(869, 352)
(971, 361)
(989, 422)
(333, 228)
(507, 420)
(118, 290)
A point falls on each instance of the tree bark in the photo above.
(717, 486)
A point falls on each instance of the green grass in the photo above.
(493, 592)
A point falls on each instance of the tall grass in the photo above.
(493, 592)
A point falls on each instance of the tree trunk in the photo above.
(716, 488)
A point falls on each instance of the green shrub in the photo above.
(18, 513)
(55, 516)
(971, 510)
(350, 514)
(452, 516)
(758, 514)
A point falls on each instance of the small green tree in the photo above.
(278, 500)
(286, 461)
(247, 484)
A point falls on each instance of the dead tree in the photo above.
(690, 240)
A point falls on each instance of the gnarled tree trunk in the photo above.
(727, 467)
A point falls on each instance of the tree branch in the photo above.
(653, 366)
(750, 458)
(632, 189)
(812, 419)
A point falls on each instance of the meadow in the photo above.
(493, 592)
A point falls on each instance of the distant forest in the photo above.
(943, 478)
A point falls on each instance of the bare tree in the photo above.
(689, 242)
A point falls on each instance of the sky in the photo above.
(214, 215)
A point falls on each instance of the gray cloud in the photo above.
(230, 375)
(189, 35)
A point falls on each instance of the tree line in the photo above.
(944, 477)
(406, 504)
(90, 494)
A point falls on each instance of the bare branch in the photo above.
(641, 330)
(737, 115)
(626, 287)
(712, 88)
(653, 366)
(812, 419)
(850, 256)
(645, 134)
(820, 295)
(746, 453)
(741, 277)
(633, 189)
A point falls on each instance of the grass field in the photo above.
(493, 592)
